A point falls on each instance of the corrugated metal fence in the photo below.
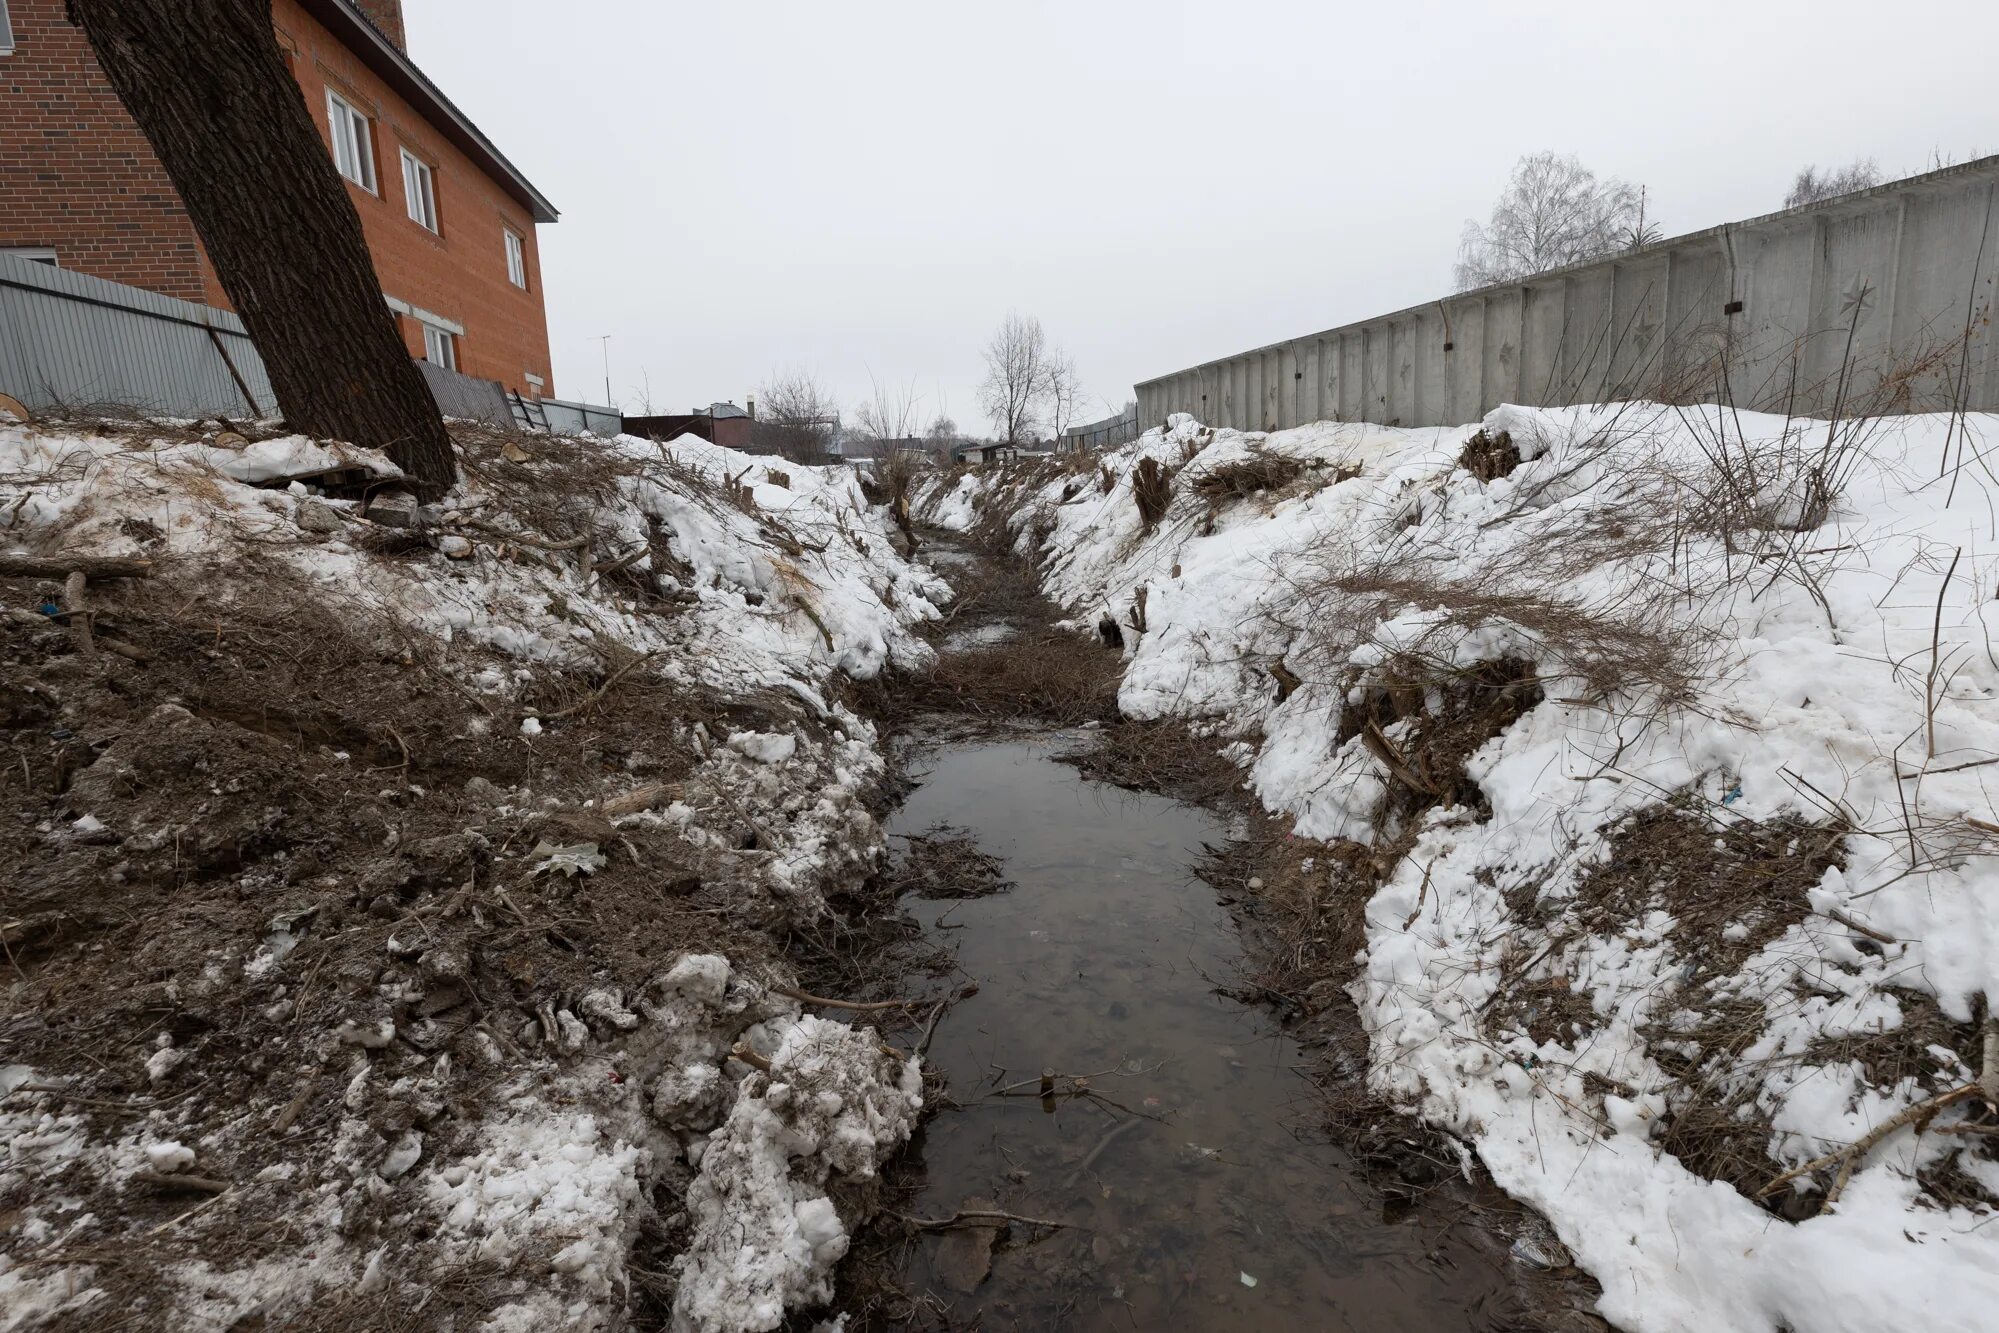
(71, 341)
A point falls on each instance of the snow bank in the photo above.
(1796, 615)
(761, 586)
(766, 1236)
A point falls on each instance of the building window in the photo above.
(517, 261)
(439, 347)
(420, 191)
(40, 254)
(353, 142)
(6, 32)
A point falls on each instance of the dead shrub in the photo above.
(946, 862)
(1167, 757)
(1245, 477)
(1055, 677)
(1451, 714)
(1151, 491)
(1622, 643)
(1106, 479)
(1490, 456)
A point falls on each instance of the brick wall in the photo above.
(386, 15)
(76, 175)
(460, 272)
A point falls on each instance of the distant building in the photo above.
(449, 220)
(719, 423)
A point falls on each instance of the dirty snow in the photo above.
(778, 584)
(1842, 665)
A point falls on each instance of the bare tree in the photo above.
(1811, 185)
(204, 79)
(890, 415)
(1062, 391)
(1016, 378)
(941, 438)
(1554, 212)
(796, 417)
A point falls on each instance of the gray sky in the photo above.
(868, 186)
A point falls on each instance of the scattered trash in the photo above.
(1247, 1280)
(571, 859)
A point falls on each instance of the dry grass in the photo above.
(1151, 491)
(1245, 477)
(1490, 457)
(1167, 757)
(946, 862)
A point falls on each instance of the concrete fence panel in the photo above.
(1883, 298)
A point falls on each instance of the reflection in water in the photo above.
(1102, 961)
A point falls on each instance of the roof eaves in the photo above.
(347, 22)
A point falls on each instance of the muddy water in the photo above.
(1222, 1213)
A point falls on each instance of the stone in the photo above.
(318, 516)
(965, 1256)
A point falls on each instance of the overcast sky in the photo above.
(867, 187)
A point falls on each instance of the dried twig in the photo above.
(977, 1217)
(859, 1006)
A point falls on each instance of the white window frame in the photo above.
(420, 191)
(440, 346)
(353, 141)
(6, 31)
(40, 254)
(517, 258)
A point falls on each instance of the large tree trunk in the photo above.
(205, 81)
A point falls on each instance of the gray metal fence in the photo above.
(1105, 434)
(71, 341)
(567, 418)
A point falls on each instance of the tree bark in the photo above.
(206, 82)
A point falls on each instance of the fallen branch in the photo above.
(62, 566)
(1110, 1136)
(742, 1051)
(597, 695)
(522, 539)
(857, 1005)
(1849, 1157)
(976, 1217)
(76, 608)
(1880, 935)
(203, 1184)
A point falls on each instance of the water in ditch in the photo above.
(1202, 1200)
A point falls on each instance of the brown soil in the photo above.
(277, 772)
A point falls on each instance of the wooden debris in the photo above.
(62, 566)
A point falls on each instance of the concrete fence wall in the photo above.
(1893, 286)
(68, 340)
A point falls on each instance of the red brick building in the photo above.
(450, 222)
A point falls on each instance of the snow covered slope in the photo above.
(1670, 733)
(435, 1017)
